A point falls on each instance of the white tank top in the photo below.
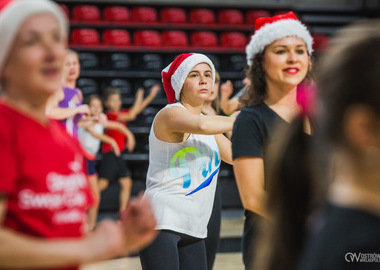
(89, 143)
(181, 182)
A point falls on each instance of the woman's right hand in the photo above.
(226, 89)
(138, 223)
(105, 242)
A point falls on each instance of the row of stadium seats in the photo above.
(119, 61)
(168, 39)
(121, 14)
(127, 88)
(152, 38)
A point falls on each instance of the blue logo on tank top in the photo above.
(204, 164)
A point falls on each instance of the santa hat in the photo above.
(270, 29)
(13, 13)
(174, 75)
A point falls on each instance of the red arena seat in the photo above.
(174, 39)
(116, 14)
(148, 38)
(204, 39)
(85, 37)
(230, 17)
(202, 16)
(86, 13)
(116, 38)
(252, 15)
(321, 41)
(173, 15)
(233, 40)
(144, 14)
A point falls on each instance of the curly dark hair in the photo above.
(257, 92)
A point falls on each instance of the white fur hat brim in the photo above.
(180, 74)
(274, 31)
(15, 13)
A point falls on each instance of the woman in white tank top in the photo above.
(186, 149)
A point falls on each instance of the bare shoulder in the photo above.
(165, 121)
(169, 113)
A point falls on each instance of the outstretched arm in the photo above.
(134, 110)
(18, 250)
(104, 138)
(131, 141)
(110, 239)
(153, 93)
(227, 105)
(55, 112)
(225, 148)
(178, 120)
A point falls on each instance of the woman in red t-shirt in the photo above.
(44, 192)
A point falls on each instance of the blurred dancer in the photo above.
(44, 193)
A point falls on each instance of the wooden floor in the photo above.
(232, 226)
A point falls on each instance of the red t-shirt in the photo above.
(42, 174)
(116, 135)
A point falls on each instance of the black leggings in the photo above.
(213, 230)
(174, 251)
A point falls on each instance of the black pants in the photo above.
(213, 230)
(174, 251)
(249, 237)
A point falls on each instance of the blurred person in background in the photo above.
(349, 86)
(112, 167)
(66, 103)
(212, 107)
(324, 191)
(44, 193)
(91, 135)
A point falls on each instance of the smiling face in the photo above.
(34, 66)
(198, 84)
(285, 62)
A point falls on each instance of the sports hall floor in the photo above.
(231, 228)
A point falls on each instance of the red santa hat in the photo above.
(270, 29)
(13, 13)
(175, 74)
